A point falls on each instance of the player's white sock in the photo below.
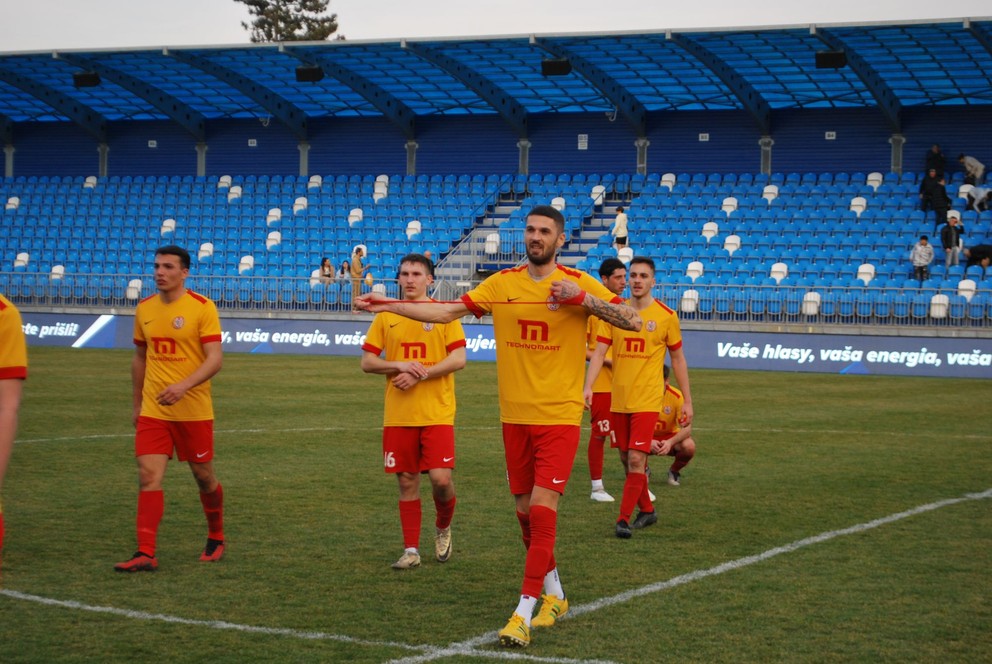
(552, 584)
(525, 609)
(411, 549)
(597, 485)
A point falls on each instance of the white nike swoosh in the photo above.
(200, 455)
(447, 459)
(555, 480)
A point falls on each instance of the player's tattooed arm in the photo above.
(619, 315)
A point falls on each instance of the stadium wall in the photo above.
(705, 349)
(130, 154)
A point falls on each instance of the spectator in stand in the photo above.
(341, 279)
(979, 199)
(326, 274)
(921, 256)
(935, 160)
(941, 203)
(928, 185)
(980, 254)
(974, 170)
(619, 230)
(950, 239)
(357, 270)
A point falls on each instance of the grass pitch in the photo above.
(312, 527)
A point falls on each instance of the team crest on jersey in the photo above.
(178, 322)
(667, 410)
(428, 327)
(553, 304)
(652, 325)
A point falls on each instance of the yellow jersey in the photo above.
(670, 413)
(540, 343)
(174, 335)
(13, 345)
(430, 402)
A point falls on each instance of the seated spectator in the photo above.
(974, 170)
(326, 271)
(980, 254)
(921, 256)
(342, 278)
(950, 240)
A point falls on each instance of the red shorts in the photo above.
(634, 431)
(193, 441)
(600, 416)
(539, 455)
(418, 449)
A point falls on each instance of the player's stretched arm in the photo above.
(681, 370)
(427, 311)
(595, 365)
(619, 315)
(212, 362)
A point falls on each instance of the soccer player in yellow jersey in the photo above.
(670, 437)
(613, 274)
(539, 315)
(638, 386)
(177, 340)
(418, 434)
(13, 372)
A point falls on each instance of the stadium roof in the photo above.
(759, 70)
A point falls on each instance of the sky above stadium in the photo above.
(27, 25)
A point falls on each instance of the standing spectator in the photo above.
(13, 372)
(670, 437)
(357, 270)
(950, 240)
(177, 340)
(619, 230)
(928, 186)
(639, 386)
(539, 312)
(935, 160)
(921, 256)
(941, 203)
(326, 273)
(980, 254)
(974, 170)
(613, 274)
(418, 434)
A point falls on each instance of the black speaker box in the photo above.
(309, 74)
(831, 59)
(556, 67)
(86, 79)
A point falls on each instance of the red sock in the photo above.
(213, 508)
(632, 488)
(151, 506)
(543, 522)
(644, 500)
(410, 517)
(679, 464)
(1, 531)
(445, 510)
(524, 520)
(595, 455)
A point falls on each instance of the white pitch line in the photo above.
(468, 647)
(211, 624)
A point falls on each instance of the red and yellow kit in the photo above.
(670, 414)
(13, 347)
(540, 343)
(639, 359)
(405, 340)
(174, 335)
(604, 381)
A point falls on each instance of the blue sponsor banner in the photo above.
(704, 349)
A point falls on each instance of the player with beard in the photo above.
(539, 312)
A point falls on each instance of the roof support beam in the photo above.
(177, 110)
(276, 105)
(512, 111)
(628, 106)
(884, 96)
(87, 118)
(746, 93)
(387, 103)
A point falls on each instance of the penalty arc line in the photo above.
(468, 647)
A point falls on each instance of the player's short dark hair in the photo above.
(665, 371)
(644, 260)
(419, 258)
(551, 212)
(611, 265)
(174, 250)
